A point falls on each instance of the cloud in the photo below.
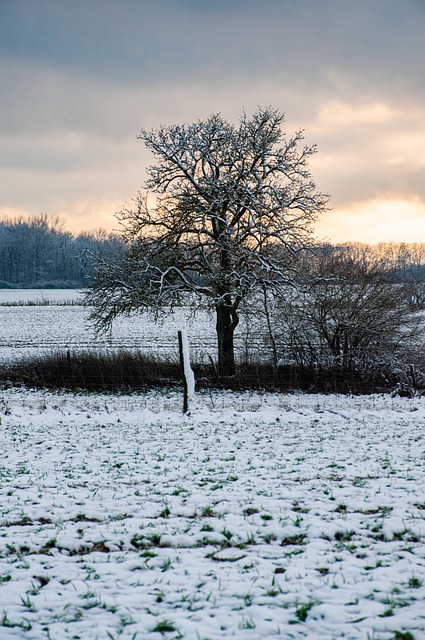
(370, 150)
(79, 79)
(155, 41)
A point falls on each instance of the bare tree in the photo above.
(231, 203)
(351, 311)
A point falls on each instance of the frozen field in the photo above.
(257, 516)
(29, 329)
(39, 296)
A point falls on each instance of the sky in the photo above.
(80, 79)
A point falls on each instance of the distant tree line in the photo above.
(396, 262)
(37, 252)
(406, 260)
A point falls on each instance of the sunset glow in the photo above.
(73, 101)
(380, 220)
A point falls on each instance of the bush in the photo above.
(126, 371)
(122, 370)
(349, 312)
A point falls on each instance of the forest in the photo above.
(37, 252)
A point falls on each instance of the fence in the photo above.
(55, 346)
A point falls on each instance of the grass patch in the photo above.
(164, 626)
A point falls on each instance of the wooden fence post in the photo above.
(186, 371)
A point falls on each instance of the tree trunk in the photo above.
(227, 321)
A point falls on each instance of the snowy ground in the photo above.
(28, 330)
(30, 327)
(40, 296)
(257, 516)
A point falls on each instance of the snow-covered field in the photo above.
(40, 296)
(31, 327)
(255, 517)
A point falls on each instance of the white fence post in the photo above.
(186, 370)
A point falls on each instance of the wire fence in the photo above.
(126, 371)
(56, 346)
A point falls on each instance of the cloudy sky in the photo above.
(80, 78)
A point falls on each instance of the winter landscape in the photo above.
(250, 176)
(257, 515)
(253, 514)
(25, 315)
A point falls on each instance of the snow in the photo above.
(256, 516)
(40, 296)
(23, 329)
(29, 330)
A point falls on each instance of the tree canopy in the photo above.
(233, 207)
